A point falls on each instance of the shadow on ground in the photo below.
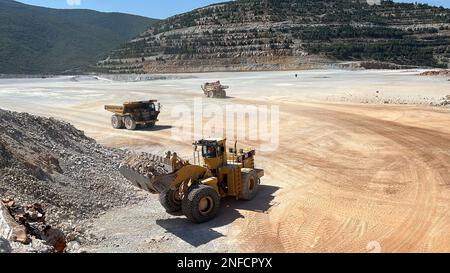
(219, 99)
(156, 128)
(199, 234)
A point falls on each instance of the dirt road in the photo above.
(346, 177)
(354, 178)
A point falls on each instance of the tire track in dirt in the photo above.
(413, 139)
(428, 167)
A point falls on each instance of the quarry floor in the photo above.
(362, 162)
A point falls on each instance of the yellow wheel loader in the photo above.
(196, 189)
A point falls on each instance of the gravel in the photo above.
(5, 246)
(146, 164)
(442, 72)
(46, 161)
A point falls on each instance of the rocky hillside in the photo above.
(36, 40)
(287, 34)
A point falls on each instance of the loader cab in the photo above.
(209, 152)
(213, 152)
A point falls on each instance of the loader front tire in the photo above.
(130, 123)
(171, 201)
(250, 185)
(201, 204)
(116, 122)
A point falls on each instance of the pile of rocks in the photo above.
(442, 72)
(46, 161)
(27, 225)
(148, 165)
(445, 101)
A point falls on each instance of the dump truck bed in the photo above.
(115, 109)
(129, 107)
(208, 88)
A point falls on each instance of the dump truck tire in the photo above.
(151, 124)
(250, 185)
(210, 94)
(170, 202)
(201, 204)
(117, 122)
(130, 123)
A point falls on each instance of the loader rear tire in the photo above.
(201, 204)
(170, 201)
(250, 185)
(117, 122)
(130, 123)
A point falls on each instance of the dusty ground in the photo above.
(352, 173)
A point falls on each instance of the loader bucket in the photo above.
(149, 172)
(150, 183)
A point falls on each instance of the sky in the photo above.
(155, 9)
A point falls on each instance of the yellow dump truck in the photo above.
(133, 114)
(215, 90)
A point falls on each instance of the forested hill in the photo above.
(42, 40)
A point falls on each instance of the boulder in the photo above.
(10, 229)
(5, 247)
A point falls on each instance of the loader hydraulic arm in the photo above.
(189, 173)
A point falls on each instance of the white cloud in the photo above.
(73, 2)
